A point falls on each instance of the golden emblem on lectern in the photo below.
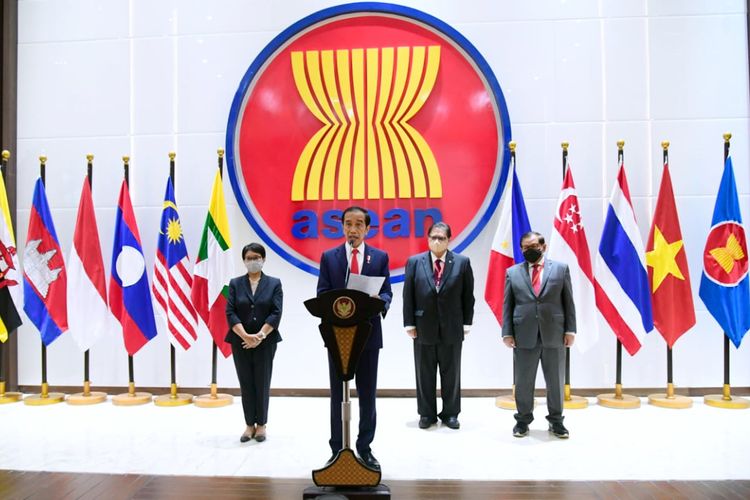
(344, 308)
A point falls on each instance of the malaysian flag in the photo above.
(172, 279)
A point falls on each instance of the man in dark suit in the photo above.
(336, 264)
(438, 311)
(539, 322)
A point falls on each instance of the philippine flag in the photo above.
(129, 292)
(623, 295)
(44, 279)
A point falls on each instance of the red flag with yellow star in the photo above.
(668, 274)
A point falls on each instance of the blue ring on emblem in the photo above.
(364, 7)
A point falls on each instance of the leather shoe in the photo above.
(426, 422)
(247, 435)
(452, 422)
(369, 460)
(521, 430)
(559, 430)
(260, 437)
(330, 460)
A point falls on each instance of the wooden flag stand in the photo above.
(174, 398)
(618, 399)
(570, 402)
(6, 397)
(46, 397)
(725, 399)
(214, 399)
(669, 399)
(87, 397)
(130, 398)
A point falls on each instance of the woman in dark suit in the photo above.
(253, 313)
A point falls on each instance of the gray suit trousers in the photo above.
(526, 362)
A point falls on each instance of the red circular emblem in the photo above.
(386, 108)
(725, 254)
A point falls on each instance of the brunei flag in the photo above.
(671, 296)
(214, 269)
(9, 289)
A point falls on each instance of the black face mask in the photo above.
(532, 255)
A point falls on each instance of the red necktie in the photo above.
(354, 267)
(438, 273)
(536, 282)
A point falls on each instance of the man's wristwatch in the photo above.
(262, 335)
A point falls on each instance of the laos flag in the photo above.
(129, 293)
(44, 279)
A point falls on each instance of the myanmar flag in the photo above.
(214, 269)
(668, 275)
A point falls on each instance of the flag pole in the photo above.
(669, 399)
(87, 397)
(132, 397)
(725, 399)
(46, 397)
(618, 399)
(570, 402)
(215, 399)
(6, 397)
(509, 402)
(174, 398)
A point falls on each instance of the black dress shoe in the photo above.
(369, 460)
(426, 422)
(559, 430)
(330, 460)
(521, 430)
(260, 437)
(452, 422)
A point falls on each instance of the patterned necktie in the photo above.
(354, 267)
(536, 274)
(438, 272)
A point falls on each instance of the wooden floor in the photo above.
(57, 485)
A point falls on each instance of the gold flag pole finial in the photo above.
(512, 146)
(6, 155)
(90, 158)
(126, 159)
(43, 159)
(220, 152)
(665, 145)
(172, 155)
(565, 145)
(727, 136)
(620, 144)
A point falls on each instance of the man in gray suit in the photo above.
(539, 322)
(438, 311)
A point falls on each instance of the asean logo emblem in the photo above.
(344, 307)
(725, 255)
(375, 105)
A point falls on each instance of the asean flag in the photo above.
(506, 250)
(129, 292)
(44, 279)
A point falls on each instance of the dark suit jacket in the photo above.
(439, 316)
(551, 314)
(333, 274)
(254, 311)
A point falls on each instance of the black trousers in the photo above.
(254, 367)
(366, 378)
(428, 358)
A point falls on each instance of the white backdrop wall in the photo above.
(138, 77)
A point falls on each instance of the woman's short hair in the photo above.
(255, 248)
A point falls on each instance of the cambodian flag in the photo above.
(622, 287)
(44, 279)
(129, 292)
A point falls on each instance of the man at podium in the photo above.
(336, 264)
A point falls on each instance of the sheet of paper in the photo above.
(369, 284)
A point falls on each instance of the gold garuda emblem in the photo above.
(344, 307)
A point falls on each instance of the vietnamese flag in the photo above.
(668, 274)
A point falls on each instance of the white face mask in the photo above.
(254, 266)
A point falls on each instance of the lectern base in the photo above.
(378, 492)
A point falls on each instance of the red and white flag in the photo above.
(568, 244)
(88, 312)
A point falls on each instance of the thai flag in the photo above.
(129, 293)
(506, 250)
(622, 286)
(44, 279)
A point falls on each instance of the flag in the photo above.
(671, 296)
(506, 249)
(622, 288)
(88, 313)
(129, 293)
(568, 244)
(172, 280)
(44, 279)
(10, 292)
(214, 269)
(724, 283)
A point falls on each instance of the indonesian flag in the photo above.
(568, 244)
(88, 311)
(506, 250)
(214, 269)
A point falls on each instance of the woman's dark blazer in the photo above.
(254, 311)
